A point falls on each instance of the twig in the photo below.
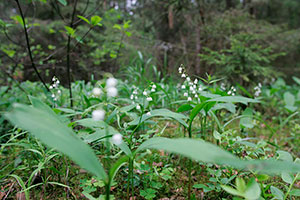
(68, 55)
(28, 47)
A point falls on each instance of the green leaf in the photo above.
(234, 99)
(295, 192)
(284, 155)
(278, 194)
(240, 184)
(262, 177)
(160, 113)
(95, 20)
(246, 120)
(70, 31)
(117, 26)
(18, 19)
(289, 99)
(231, 190)
(51, 131)
(63, 2)
(296, 79)
(217, 135)
(83, 18)
(184, 107)
(200, 150)
(286, 177)
(253, 190)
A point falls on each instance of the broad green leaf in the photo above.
(240, 184)
(289, 99)
(70, 31)
(253, 190)
(184, 107)
(296, 79)
(51, 131)
(63, 2)
(286, 177)
(160, 113)
(295, 192)
(117, 26)
(95, 20)
(83, 18)
(18, 19)
(228, 106)
(231, 190)
(278, 194)
(217, 135)
(200, 150)
(284, 155)
(234, 99)
(246, 120)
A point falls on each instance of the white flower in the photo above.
(196, 95)
(51, 87)
(149, 98)
(131, 96)
(97, 92)
(148, 113)
(194, 86)
(53, 95)
(134, 92)
(138, 107)
(55, 99)
(145, 93)
(98, 115)
(54, 78)
(259, 85)
(185, 94)
(59, 91)
(117, 139)
(180, 70)
(152, 90)
(111, 82)
(183, 75)
(154, 86)
(183, 87)
(189, 99)
(196, 81)
(188, 78)
(194, 92)
(112, 91)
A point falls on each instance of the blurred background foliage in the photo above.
(242, 41)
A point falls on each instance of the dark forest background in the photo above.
(241, 40)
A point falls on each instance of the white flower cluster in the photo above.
(191, 88)
(54, 88)
(110, 88)
(117, 139)
(98, 115)
(232, 91)
(257, 90)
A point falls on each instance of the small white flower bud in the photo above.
(148, 113)
(189, 99)
(154, 86)
(111, 82)
(117, 139)
(188, 78)
(145, 93)
(112, 91)
(98, 115)
(183, 87)
(149, 98)
(97, 92)
(196, 81)
(183, 75)
(138, 107)
(51, 87)
(185, 94)
(152, 90)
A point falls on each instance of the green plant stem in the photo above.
(291, 186)
(190, 171)
(28, 46)
(107, 188)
